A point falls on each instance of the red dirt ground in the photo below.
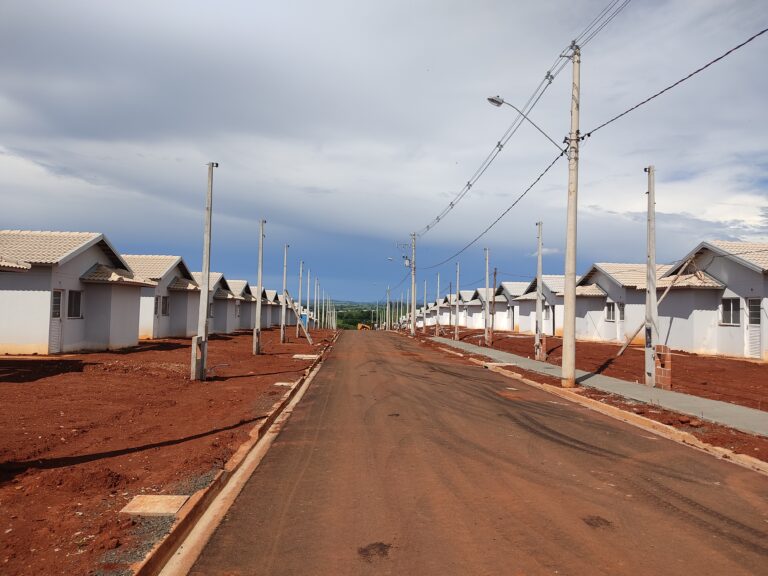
(83, 434)
(714, 434)
(731, 380)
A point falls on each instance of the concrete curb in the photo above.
(663, 430)
(193, 509)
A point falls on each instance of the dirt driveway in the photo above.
(83, 434)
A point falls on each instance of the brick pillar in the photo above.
(663, 367)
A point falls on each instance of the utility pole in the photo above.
(487, 301)
(200, 342)
(301, 281)
(437, 303)
(538, 348)
(284, 307)
(259, 289)
(386, 318)
(493, 310)
(424, 324)
(407, 311)
(450, 308)
(309, 273)
(568, 368)
(456, 325)
(651, 298)
(413, 284)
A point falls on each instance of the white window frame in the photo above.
(56, 307)
(79, 304)
(620, 307)
(164, 306)
(610, 312)
(210, 310)
(729, 310)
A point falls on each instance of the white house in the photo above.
(730, 318)
(448, 310)
(552, 311)
(507, 314)
(221, 303)
(465, 296)
(245, 304)
(170, 308)
(71, 291)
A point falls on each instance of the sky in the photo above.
(347, 125)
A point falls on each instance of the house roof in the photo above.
(587, 290)
(481, 294)
(694, 280)
(628, 275)
(183, 284)
(47, 247)
(512, 289)
(466, 295)
(213, 278)
(753, 255)
(8, 265)
(155, 266)
(270, 295)
(101, 274)
(241, 289)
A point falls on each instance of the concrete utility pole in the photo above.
(456, 325)
(487, 333)
(284, 307)
(407, 311)
(538, 348)
(386, 317)
(493, 310)
(450, 309)
(651, 298)
(568, 367)
(424, 324)
(200, 342)
(437, 303)
(314, 308)
(309, 273)
(301, 281)
(413, 284)
(259, 289)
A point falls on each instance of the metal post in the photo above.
(456, 326)
(259, 289)
(568, 367)
(487, 300)
(538, 352)
(200, 342)
(413, 284)
(301, 281)
(285, 286)
(437, 303)
(651, 301)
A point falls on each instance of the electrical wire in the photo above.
(498, 219)
(668, 88)
(595, 26)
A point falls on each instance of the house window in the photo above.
(56, 304)
(547, 312)
(610, 312)
(620, 305)
(210, 310)
(753, 311)
(731, 311)
(74, 304)
(237, 308)
(157, 304)
(164, 305)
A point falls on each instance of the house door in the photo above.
(54, 330)
(753, 328)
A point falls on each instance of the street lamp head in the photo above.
(496, 100)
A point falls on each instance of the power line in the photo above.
(595, 26)
(497, 220)
(689, 76)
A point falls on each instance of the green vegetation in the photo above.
(350, 314)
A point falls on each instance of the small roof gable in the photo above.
(183, 284)
(156, 266)
(480, 294)
(624, 274)
(512, 289)
(270, 295)
(101, 274)
(241, 289)
(213, 279)
(753, 255)
(47, 247)
(466, 295)
(8, 265)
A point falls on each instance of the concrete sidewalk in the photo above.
(731, 415)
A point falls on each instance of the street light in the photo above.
(498, 101)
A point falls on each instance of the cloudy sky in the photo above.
(349, 124)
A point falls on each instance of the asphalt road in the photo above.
(402, 460)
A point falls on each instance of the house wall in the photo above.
(124, 317)
(224, 319)
(590, 318)
(183, 307)
(475, 317)
(247, 318)
(502, 316)
(25, 310)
